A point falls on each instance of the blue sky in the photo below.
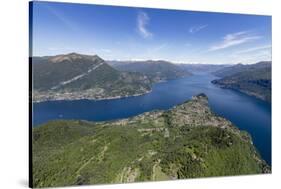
(124, 33)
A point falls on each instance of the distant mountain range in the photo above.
(203, 68)
(76, 76)
(237, 68)
(156, 70)
(254, 79)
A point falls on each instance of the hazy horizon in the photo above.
(129, 34)
(155, 60)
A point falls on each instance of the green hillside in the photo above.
(187, 141)
(76, 76)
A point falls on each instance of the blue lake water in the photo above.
(247, 113)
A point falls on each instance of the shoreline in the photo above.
(103, 98)
(245, 92)
(95, 99)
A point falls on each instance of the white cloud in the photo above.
(234, 39)
(195, 29)
(254, 49)
(63, 19)
(251, 55)
(254, 58)
(142, 22)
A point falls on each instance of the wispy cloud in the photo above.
(142, 22)
(251, 55)
(254, 49)
(234, 39)
(195, 29)
(62, 18)
(263, 55)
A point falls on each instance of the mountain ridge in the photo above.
(156, 70)
(75, 76)
(228, 71)
(253, 80)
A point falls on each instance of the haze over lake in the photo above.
(247, 113)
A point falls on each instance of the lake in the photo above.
(247, 113)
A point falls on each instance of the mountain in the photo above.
(204, 68)
(76, 76)
(186, 141)
(155, 70)
(254, 80)
(231, 70)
